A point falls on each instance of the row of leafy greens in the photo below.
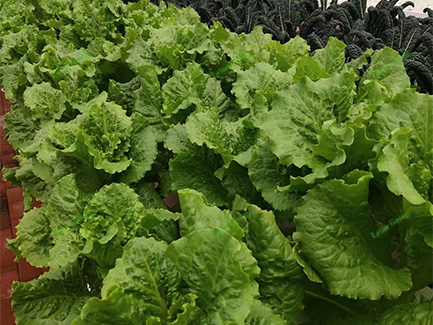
(315, 155)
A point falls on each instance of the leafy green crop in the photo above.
(314, 154)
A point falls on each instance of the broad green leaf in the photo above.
(220, 271)
(286, 55)
(214, 98)
(267, 175)
(307, 67)
(196, 170)
(394, 160)
(299, 113)
(197, 214)
(33, 238)
(44, 101)
(24, 133)
(420, 259)
(280, 280)
(32, 185)
(160, 224)
(148, 195)
(143, 150)
(332, 57)
(333, 229)
(184, 89)
(55, 298)
(194, 167)
(387, 70)
(262, 77)
(148, 98)
(421, 314)
(64, 209)
(262, 314)
(144, 272)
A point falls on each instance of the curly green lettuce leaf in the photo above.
(44, 101)
(107, 131)
(407, 121)
(123, 93)
(235, 46)
(286, 55)
(24, 133)
(114, 211)
(394, 160)
(298, 114)
(226, 138)
(191, 89)
(333, 235)
(220, 271)
(260, 77)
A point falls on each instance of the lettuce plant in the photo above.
(316, 154)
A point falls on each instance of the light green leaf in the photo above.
(286, 55)
(44, 101)
(387, 69)
(65, 211)
(332, 57)
(115, 211)
(394, 160)
(267, 175)
(184, 89)
(106, 132)
(148, 98)
(33, 238)
(262, 77)
(196, 170)
(143, 150)
(280, 281)
(24, 133)
(298, 114)
(197, 214)
(220, 271)
(153, 277)
(194, 167)
(226, 138)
